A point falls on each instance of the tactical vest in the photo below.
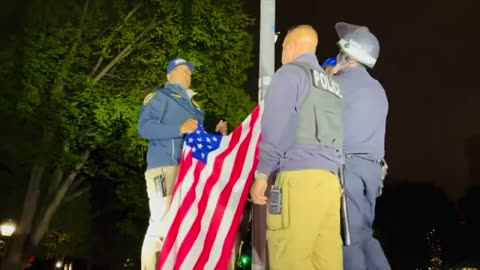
(320, 116)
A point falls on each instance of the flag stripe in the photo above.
(205, 192)
(230, 225)
(208, 199)
(232, 233)
(226, 195)
(213, 205)
(187, 201)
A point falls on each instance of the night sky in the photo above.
(427, 65)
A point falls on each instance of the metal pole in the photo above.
(266, 70)
(267, 46)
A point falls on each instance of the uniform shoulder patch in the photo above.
(148, 98)
(196, 104)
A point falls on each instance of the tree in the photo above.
(80, 70)
(70, 230)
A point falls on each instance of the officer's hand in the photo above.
(257, 192)
(222, 127)
(190, 125)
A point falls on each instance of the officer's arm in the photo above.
(150, 125)
(279, 118)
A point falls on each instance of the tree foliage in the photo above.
(73, 81)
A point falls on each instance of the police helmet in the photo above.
(358, 43)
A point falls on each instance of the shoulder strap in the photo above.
(304, 66)
(308, 71)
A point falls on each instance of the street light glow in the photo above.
(8, 228)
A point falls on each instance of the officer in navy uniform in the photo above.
(365, 108)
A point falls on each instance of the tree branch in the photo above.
(133, 11)
(56, 180)
(120, 56)
(59, 83)
(97, 65)
(77, 183)
(104, 49)
(43, 225)
(30, 209)
(118, 77)
(57, 174)
(77, 194)
(124, 53)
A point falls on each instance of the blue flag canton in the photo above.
(202, 143)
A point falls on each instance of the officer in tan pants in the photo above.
(301, 138)
(166, 116)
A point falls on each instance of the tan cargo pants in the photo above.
(159, 206)
(306, 234)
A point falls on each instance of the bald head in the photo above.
(299, 40)
(304, 35)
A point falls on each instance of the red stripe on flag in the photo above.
(187, 164)
(232, 233)
(186, 203)
(210, 183)
(223, 201)
(182, 170)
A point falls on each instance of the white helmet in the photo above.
(358, 43)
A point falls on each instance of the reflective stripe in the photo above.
(173, 151)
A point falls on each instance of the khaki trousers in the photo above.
(159, 206)
(306, 234)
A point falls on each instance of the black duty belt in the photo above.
(381, 162)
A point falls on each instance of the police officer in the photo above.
(166, 116)
(329, 64)
(302, 138)
(365, 108)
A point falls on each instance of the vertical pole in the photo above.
(267, 46)
(266, 70)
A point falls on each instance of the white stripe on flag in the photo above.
(218, 186)
(235, 197)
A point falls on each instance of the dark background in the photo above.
(427, 65)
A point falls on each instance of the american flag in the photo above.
(209, 196)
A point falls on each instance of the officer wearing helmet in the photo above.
(365, 108)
